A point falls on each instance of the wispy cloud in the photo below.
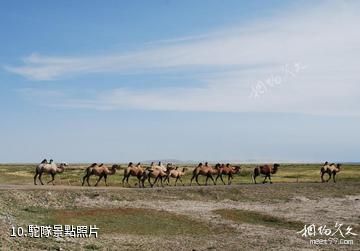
(326, 39)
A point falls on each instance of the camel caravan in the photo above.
(158, 174)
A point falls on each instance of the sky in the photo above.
(241, 81)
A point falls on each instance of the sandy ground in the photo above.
(318, 207)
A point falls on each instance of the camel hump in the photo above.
(93, 164)
(44, 161)
(101, 164)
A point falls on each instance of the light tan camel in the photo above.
(331, 170)
(132, 170)
(101, 171)
(157, 172)
(226, 170)
(205, 170)
(50, 168)
(177, 174)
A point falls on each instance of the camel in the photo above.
(265, 170)
(331, 170)
(50, 168)
(205, 170)
(98, 170)
(132, 170)
(226, 170)
(177, 174)
(157, 172)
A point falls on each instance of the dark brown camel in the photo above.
(265, 170)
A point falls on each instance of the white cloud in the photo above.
(326, 39)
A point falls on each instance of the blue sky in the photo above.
(122, 81)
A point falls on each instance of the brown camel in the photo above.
(177, 174)
(205, 170)
(50, 168)
(132, 170)
(331, 170)
(265, 170)
(226, 170)
(157, 172)
(101, 171)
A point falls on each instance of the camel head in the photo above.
(237, 169)
(51, 161)
(113, 169)
(61, 167)
(275, 168)
(326, 163)
(44, 161)
(115, 166)
(200, 164)
(206, 164)
(338, 166)
(217, 166)
(130, 164)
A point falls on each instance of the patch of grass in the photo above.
(92, 247)
(251, 217)
(122, 220)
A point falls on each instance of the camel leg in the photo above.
(141, 181)
(176, 180)
(334, 174)
(181, 181)
(87, 179)
(35, 177)
(41, 179)
(123, 180)
(192, 178)
(329, 177)
(254, 178)
(98, 180)
(105, 178)
(197, 180)
(229, 179)
(217, 177)
(161, 182)
(206, 181)
(211, 177)
(149, 180)
(84, 179)
(53, 178)
(222, 179)
(322, 177)
(265, 179)
(270, 179)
